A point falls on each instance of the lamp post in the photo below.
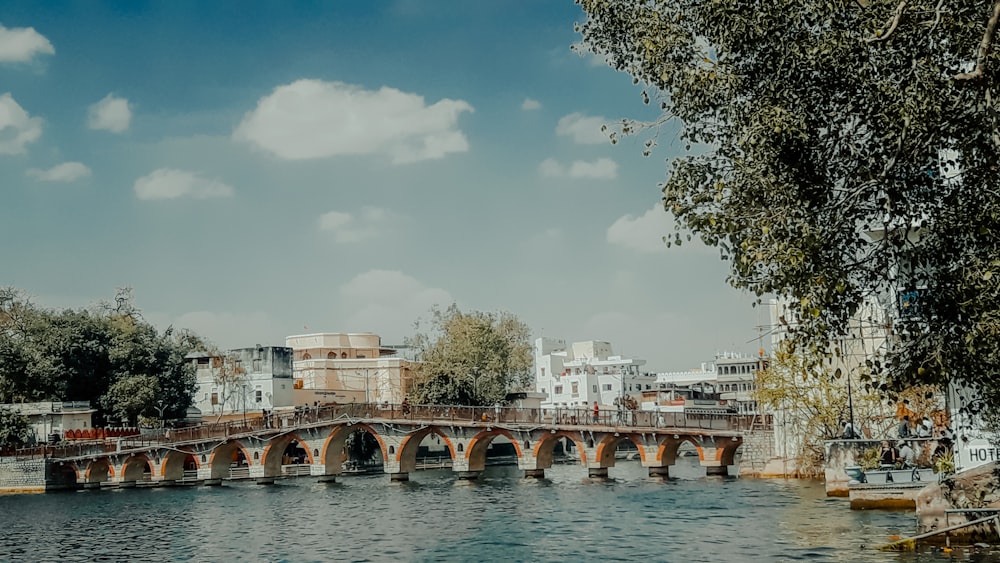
(160, 407)
(475, 375)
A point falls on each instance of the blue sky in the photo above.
(259, 169)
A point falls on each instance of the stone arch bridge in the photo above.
(257, 448)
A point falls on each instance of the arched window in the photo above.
(315, 453)
(331, 356)
(461, 448)
(527, 444)
(256, 456)
(392, 449)
(343, 354)
(306, 356)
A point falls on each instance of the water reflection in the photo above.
(436, 517)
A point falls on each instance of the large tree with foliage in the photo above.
(840, 151)
(471, 358)
(15, 430)
(107, 355)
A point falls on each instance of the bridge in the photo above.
(258, 448)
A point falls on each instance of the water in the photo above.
(434, 517)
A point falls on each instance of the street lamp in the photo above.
(475, 375)
(160, 407)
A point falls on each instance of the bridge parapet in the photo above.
(256, 448)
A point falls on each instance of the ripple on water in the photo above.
(435, 517)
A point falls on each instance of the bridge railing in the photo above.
(443, 414)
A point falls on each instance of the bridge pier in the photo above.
(534, 473)
(213, 482)
(327, 479)
(468, 475)
(597, 472)
(399, 477)
(662, 471)
(717, 470)
(264, 480)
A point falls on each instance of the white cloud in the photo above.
(316, 119)
(17, 128)
(644, 233)
(388, 302)
(21, 44)
(170, 183)
(583, 129)
(65, 172)
(528, 104)
(347, 228)
(600, 169)
(112, 114)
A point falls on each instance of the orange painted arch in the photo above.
(495, 432)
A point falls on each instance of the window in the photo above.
(215, 398)
(331, 356)
(256, 366)
(543, 372)
(202, 361)
(307, 356)
(607, 387)
(258, 396)
(557, 390)
(576, 388)
(595, 389)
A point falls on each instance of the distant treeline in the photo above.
(106, 354)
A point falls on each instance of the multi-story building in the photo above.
(245, 380)
(579, 375)
(348, 367)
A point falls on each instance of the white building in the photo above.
(50, 419)
(246, 380)
(348, 367)
(579, 375)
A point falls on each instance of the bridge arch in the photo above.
(275, 451)
(726, 451)
(666, 453)
(99, 470)
(135, 467)
(65, 474)
(545, 446)
(406, 455)
(173, 465)
(224, 455)
(333, 447)
(476, 452)
(606, 448)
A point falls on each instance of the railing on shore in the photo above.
(430, 414)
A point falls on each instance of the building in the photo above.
(52, 419)
(736, 380)
(338, 367)
(587, 372)
(245, 380)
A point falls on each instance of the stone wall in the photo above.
(22, 476)
(757, 450)
(840, 454)
(977, 488)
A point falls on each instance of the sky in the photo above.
(259, 169)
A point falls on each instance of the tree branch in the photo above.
(984, 47)
(892, 25)
(937, 14)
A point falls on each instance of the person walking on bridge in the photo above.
(597, 412)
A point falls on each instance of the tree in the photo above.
(131, 396)
(80, 355)
(231, 379)
(810, 403)
(840, 151)
(470, 358)
(15, 430)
